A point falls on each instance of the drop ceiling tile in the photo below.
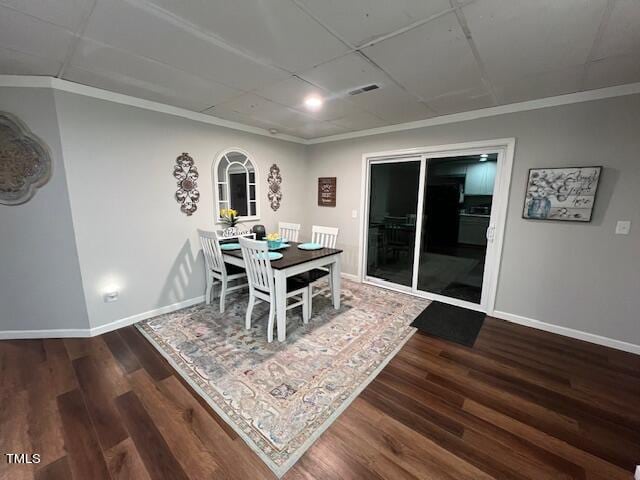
(147, 32)
(359, 121)
(465, 101)
(16, 63)
(622, 33)
(316, 129)
(333, 108)
(119, 83)
(64, 13)
(345, 74)
(98, 57)
(431, 60)
(548, 84)
(263, 110)
(392, 104)
(275, 30)
(293, 91)
(613, 71)
(290, 92)
(519, 38)
(359, 21)
(29, 35)
(240, 118)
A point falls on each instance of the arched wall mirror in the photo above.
(235, 185)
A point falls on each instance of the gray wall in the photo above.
(129, 231)
(40, 284)
(129, 228)
(580, 276)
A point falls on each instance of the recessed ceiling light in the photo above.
(313, 102)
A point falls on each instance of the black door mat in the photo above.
(455, 324)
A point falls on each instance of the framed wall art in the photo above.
(327, 187)
(566, 193)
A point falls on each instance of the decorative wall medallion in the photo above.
(275, 180)
(186, 173)
(25, 164)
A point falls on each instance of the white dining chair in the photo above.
(327, 237)
(261, 284)
(290, 231)
(217, 269)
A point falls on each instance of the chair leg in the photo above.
(252, 302)
(223, 293)
(209, 290)
(306, 304)
(272, 318)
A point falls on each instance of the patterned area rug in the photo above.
(280, 397)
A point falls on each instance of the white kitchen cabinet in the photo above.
(480, 178)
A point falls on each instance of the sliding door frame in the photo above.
(505, 147)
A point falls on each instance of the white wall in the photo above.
(129, 228)
(579, 276)
(40, 285)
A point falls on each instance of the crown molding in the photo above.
(579, 97)
(29, 81)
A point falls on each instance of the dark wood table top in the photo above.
(292, 255)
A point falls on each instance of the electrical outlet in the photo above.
(623, 227)
(354, 214)
(111, 297)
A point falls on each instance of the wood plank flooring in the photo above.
(522, 404)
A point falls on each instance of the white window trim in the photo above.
(216, 180)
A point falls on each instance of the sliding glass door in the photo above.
(430, 225)
(393, 209)
(458, 197)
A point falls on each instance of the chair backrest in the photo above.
(211, 248)
(226, 234)
(325, 236)
(257, 264)
(290, 231)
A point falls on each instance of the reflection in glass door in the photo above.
(393, 206)
(458, 197)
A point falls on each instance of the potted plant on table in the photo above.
(229, 217)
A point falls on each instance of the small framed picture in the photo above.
(566, 194)
(327, 191)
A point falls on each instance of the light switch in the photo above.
(354, 214)
(623, 227)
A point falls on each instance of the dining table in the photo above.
(295, 261)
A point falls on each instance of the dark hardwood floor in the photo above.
(521, 404)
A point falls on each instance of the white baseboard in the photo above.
(125, 322)
(54, 333)
(568, 332)
(99, 330)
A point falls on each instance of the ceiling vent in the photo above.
(366, 88)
